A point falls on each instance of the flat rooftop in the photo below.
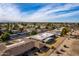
(42, 36)
(18, 48)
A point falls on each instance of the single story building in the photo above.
(18, 48)
(44, 37)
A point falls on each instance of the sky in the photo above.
(39, 12)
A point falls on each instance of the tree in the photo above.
(5, 37)
(21, 29)
(46, 27)
(1, 32)
(8, 26)
(33, 33)
(10, 32)
(64, 31)
(15, 27)
(38, 27)
(49, 26)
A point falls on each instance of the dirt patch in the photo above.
(75, 47)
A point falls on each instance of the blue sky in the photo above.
(39, 12)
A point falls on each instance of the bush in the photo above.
(33, 33)
(10, 32)
(53, 47)
(5, 37)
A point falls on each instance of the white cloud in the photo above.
(43, 14)
(10, 12)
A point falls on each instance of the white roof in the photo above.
(42, 36)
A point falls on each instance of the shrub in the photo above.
(5, 37)
(33, 33)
